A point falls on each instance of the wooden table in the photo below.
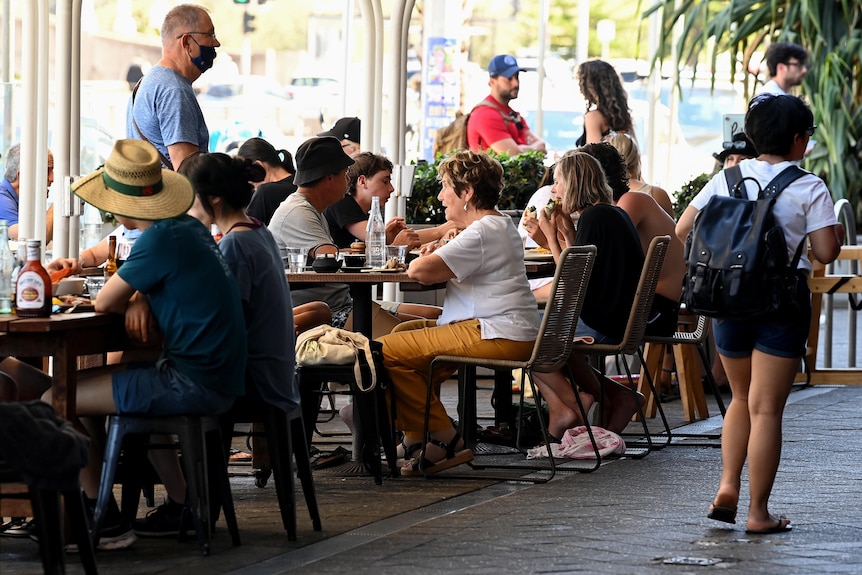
(820, 284)
(63, 337)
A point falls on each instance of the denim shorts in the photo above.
(159, 389)
(782, 336)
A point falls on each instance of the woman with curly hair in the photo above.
(488, 311)
(607, 103)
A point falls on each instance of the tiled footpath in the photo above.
(629, 517)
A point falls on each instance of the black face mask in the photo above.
(204, 60)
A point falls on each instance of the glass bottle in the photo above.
(33, 290)
(375, 237)
(111, 262)
(20, 258)
(7, 265)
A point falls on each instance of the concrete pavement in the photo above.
(630, 516)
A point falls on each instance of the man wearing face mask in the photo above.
(163, 108)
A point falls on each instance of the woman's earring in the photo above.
(465, 207)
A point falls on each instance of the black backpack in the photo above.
(736, 255)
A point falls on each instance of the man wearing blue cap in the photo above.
(493, 124)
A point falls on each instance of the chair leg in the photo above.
(46, 510)
(281, 450)
(303, 469)
(704, 359)
(194, 469)
(217, 465)
(113, 448)
(74, 503)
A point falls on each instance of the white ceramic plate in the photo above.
(533, 256)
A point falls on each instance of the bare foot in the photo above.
(618, 413)
(772, 525)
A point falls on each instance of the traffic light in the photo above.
(248, 23)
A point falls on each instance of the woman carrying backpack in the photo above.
(761, 356)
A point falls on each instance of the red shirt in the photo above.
(486, 125)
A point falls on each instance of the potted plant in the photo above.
(521, 176)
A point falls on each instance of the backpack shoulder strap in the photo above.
(489, 104)
(733, 175)
(787, 176)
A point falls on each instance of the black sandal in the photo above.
(410, 451)
(422, 466)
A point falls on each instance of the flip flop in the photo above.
(782, 526)
(724, 514)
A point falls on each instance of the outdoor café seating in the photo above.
(550, 352)
(202, 458)
(633, 337)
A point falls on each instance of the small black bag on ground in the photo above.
(736, 255)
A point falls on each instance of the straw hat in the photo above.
(133, 184)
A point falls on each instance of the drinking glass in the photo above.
(397, 252)
(296, 259)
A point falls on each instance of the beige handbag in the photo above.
(327, 345)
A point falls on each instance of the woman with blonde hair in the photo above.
(629, 150)
(580, 186)
(606, 99)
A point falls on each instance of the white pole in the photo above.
(63, 70)
(75, 127)
(30, 85)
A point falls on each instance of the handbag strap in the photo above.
(162, 157)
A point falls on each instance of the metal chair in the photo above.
(550, 352)
(634, 333)
(284, 433)
(200, 459)
(698, 338)
(371, 416)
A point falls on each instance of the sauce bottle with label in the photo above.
(33, 289)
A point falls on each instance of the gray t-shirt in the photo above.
(167, 112)
(256, 264)
(296, 223)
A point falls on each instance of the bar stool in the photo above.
(372, 419)
(197, 454)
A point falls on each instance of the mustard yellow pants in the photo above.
(407, 355)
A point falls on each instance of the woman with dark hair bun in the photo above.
(277, 182)
(223, 187)
(607, 102)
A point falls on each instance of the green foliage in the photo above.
(521, 176)
(688, 191)
(830, 30)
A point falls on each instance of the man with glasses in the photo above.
(493, 124)
(786, 63)
(163, 109)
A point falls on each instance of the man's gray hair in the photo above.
(181, 19)
(13, 163)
